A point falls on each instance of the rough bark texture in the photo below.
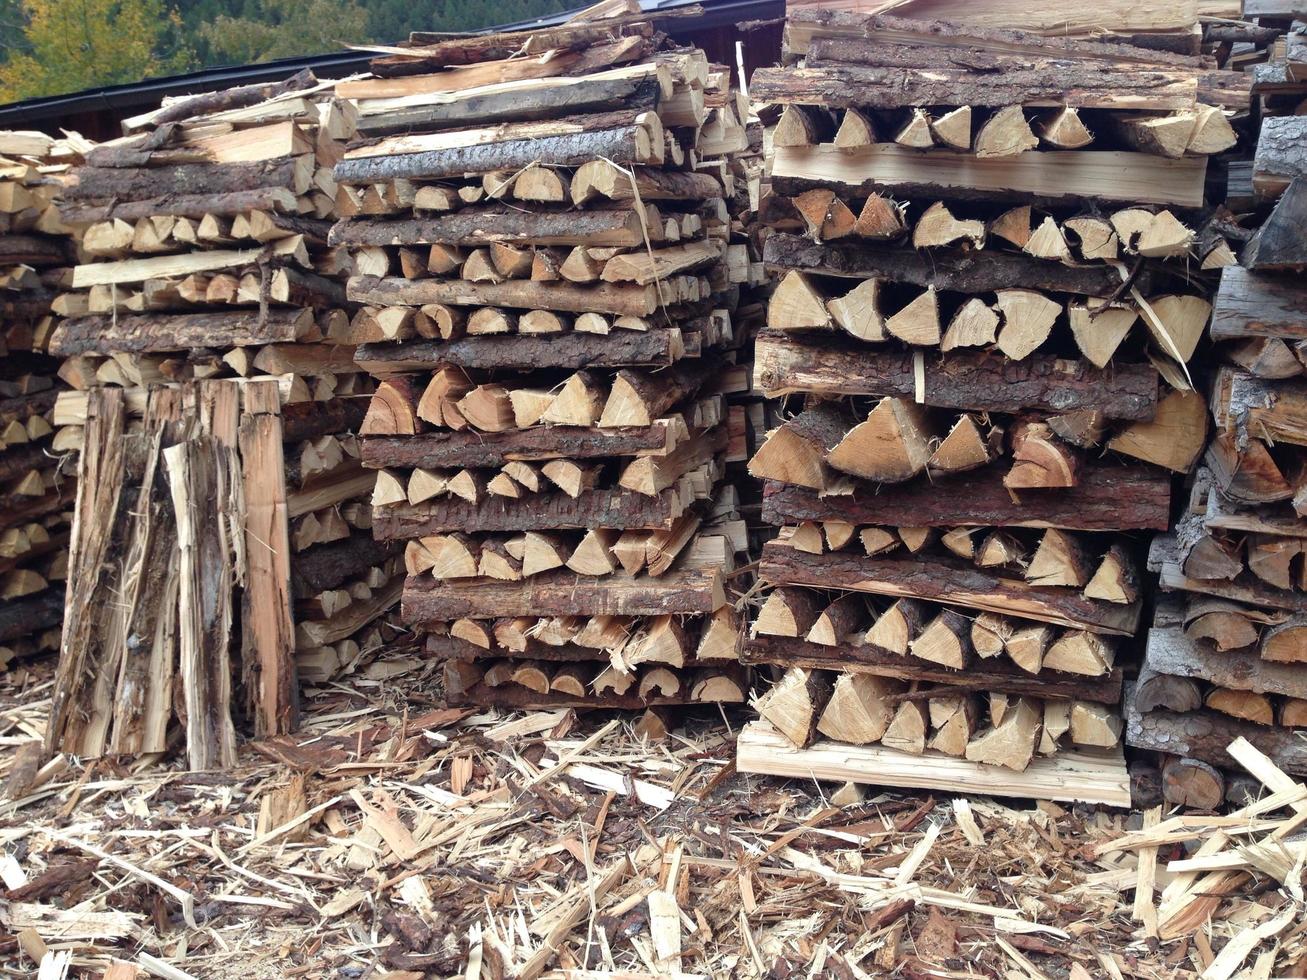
(650, 348)
(31, 614)
(434, 450)
(31, 250)
(1281, 154)
(1249, 305)
(517, 293)
(1108, 497)
(943, 580)
(977, 272)
(997, 674)
(232, 98)
(1170, 651)
(1279, 244)
(309, 420)
(138, 184)
(182, 206)
(102, 334)
(785, 363)
(617, 509)
(327, 566)
(483, 225)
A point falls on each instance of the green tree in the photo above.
(69, 45)
(284, 29)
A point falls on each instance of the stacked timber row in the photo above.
(544, 257)
(216, 403)
(994, 270)
(36, 494)
(1227, 655)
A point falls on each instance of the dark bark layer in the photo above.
(651, 348)
(30, 615)
(138, 184)
(434, 450)
(1170, 651)
(182, 205)
(495, 223)
(327, 566)
(103, 334)
(1249, 305)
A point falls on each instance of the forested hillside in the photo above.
(48, 47)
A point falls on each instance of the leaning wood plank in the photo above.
(1246, 587)
(1065, 177)
(522, 294)
(1019, 82)
(997, 674)
(1204, 735)
(267, 627)
(1171, 651)
(434, 450)
(946, 581)
(162, 266)
(975, 272)
(622, 348)
(1107, 497)
(787, 364)
(562, 593)
(483, 225)
(1249, 305)
(617, 509)
(148, 333)
(1082, 777)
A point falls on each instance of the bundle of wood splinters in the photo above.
(36, 493)
(1226, 652)
(223, 512)
(547, 275)
(992, 279)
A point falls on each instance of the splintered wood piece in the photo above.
(1114, 580)
(1060, 559)
(529, 405)
(858, 311)
(937, 227)
(1040, 459)
(488, 408)
(1246, 474)
(1129, 224)
(1083, 428)
(891, 446)
(571, 679)
(612, 681)
(1005, 134)
(472, 631)
(788, 612)
(896, 628)
(953, 129)
(1028, 319)
(1204, 555)
(1286, 643)
(1166, 237)
(1226, 624)
(580, 402)
(796, 451)
(448, 384)
(855, 132)
(1097, 725)
(721, 637)
(1081, 652)
(524, 474)
(878, 540)
(543, 552)
(496, 562)
(1048, 242)
(545, 184)
(1178, 323)
(1264, 357)
(468, 485)
(1098, 239)
(1173, 439)
(478, 267)
(998, 549)
(907, 729)
(1011, 742)
(1212, 132)
(594, 555)
(637, 398)
(1166, 136)
(916, 538)
(1028, 646)
(915, 132)
(1270, 558)
(973, 325)
(794, 704)
(945, 640)
(796, 305)
(570, 477)
(860, 708)
(1057, 722)
(796, 127)
(826, 216)
(880, 218)
(536, 323)
(1063, 129)
(954, 722)
(1192, 783)
(989, 634)
(918, 322)
(838, 533)
(807, 537)
(658, 682)
(1099, 329)
(453, 555)
(841, 618)
(961, 541)
(392, 409)
(388, 490)
(1013, 226)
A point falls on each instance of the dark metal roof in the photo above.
(134, 97)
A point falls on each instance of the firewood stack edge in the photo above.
(1227, 654)
(36, 491)
(993, 269)
(542, 244)
(222, 541)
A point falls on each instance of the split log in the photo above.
(1204, 736)
(859, 710)
(1192, 783)
(154, 332)
(615, 227)
(794, 704)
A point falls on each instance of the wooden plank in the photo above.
(497, 223)
(950, 582)
(996, 674)
(434, 450)
(785, 363)
(1064, 177)
(1245, 588)
(162, 266)
(1170, 651)
(1107, 497)
(522, 294)
(622, 348)
(1075, 776)
(608, 508)
(1249, 305)
(155, 333)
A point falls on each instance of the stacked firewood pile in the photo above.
(36, 494)
(1226, 653)
(994, 272)
(222, 509)
(543, 252)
